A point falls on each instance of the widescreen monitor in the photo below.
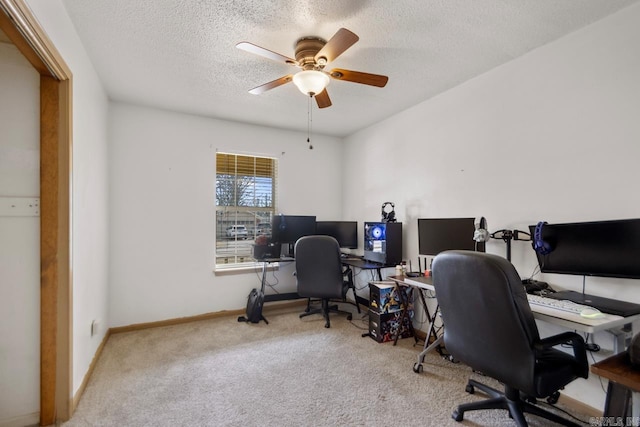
(436, 235)
(598, 248)
(289, 228)
(345, 232)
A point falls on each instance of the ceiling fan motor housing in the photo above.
(306, 50)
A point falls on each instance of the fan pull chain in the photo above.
(309, 120)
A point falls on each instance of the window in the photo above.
(245, 203)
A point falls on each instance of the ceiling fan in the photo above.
(312, 55)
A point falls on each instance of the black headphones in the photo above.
(389, 216)
(539, 244)
(481, 234)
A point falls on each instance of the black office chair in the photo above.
(489, 326)
(320, 275)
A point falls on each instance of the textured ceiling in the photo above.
(180, 54)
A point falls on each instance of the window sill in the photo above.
(255, 267)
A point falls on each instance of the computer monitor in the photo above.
(436, 235)
(345, 232)
(599, 248)
(289, 228)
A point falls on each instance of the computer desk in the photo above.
(263, 282)
(363, 264)
(432, 340)
(620, 327)
(623, 388)
(354, 262)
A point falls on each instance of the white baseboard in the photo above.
(22, 421)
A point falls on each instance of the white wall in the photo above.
(90, 237)
(162, 168)
(19, 240)
(550, 136)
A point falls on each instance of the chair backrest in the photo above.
(318, 267)
(488, 323)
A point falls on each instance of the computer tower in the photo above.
(383, 242)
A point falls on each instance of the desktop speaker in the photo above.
(383, 242)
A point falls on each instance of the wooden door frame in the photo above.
(56, 356)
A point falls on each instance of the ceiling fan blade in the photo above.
(359, 77)
(267, 86)
(341, 41)
(323, 100)
(252, 48)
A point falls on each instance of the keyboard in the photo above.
(605, 305)
(556, 304)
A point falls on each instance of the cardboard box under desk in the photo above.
(383, 326)
(383, 297)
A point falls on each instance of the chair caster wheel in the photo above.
(469, 389)
(418, 368)
(553, 399)
(457, 415)
(349, 317)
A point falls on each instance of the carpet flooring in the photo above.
(291, 372)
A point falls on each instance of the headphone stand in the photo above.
(507, 236)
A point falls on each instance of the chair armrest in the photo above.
(560, 339)
(577, 342)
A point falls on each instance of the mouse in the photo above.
(591, 313)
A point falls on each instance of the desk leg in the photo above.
(417, 368)
(424, 306)
(618, 403)
(264, 277)
(404, 300)
(621, 337)
(262, 286)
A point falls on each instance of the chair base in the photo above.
(325, 309)
(509, 400)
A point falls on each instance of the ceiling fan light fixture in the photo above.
(311, 82)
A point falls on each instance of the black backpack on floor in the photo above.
(254, 307)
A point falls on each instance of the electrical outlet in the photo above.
(94, 327)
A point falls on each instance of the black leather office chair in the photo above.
(320, 275)
(489, 326)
